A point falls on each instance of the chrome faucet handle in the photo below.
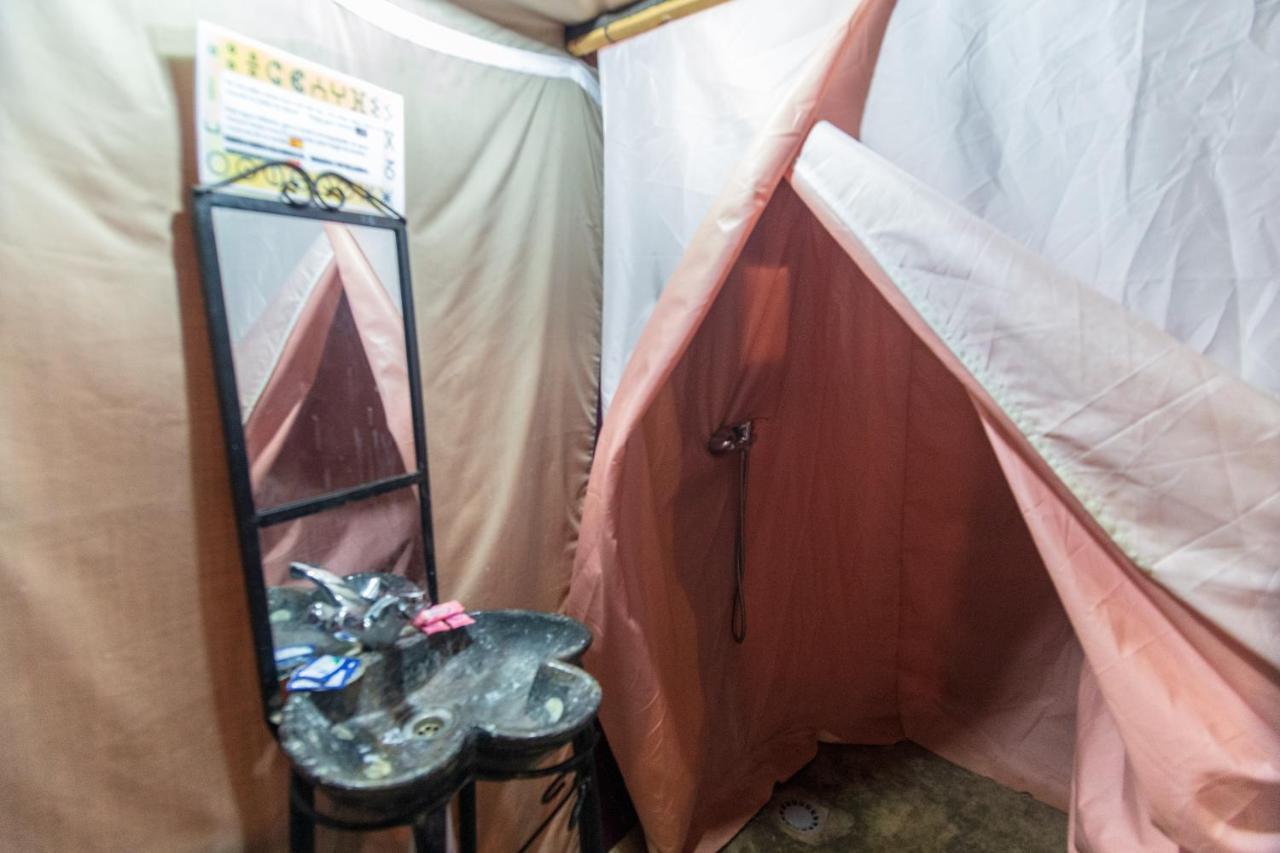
(406, 604)
(387, 618)
(335, 589)
(365, 612)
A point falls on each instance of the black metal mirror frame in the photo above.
(322, 198)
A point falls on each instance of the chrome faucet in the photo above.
(366, 613)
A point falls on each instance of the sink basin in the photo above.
(496, 695)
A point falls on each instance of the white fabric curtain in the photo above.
(1131, 146)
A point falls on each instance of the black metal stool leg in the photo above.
(467, 818)
(429, 832)
(590, 832)
(302, 828)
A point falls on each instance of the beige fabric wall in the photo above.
(131, 715)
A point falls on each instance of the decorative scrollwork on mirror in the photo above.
(326, 190)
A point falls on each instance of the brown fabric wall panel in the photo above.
(985, 645)
(132, 714)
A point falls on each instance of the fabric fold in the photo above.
(990, 510)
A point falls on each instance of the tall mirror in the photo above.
(311, 321)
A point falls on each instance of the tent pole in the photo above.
(589, 36)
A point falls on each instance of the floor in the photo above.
(898, 798)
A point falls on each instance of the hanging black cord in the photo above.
(738, 623)
(727, 440)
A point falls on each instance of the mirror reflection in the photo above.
(311, 320)
(376, 540)
(317, 335)
(381, 534)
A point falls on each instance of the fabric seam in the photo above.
(437, 37)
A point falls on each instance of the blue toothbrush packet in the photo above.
(327, 672)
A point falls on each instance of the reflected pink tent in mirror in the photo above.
(318, 343)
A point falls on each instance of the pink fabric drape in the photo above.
(1177, 726)
(915, 568)
(1178, 707)
(379, 326)
(885, 552)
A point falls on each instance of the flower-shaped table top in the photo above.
(432, 711)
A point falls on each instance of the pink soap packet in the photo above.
(448, 624)
(442, 617)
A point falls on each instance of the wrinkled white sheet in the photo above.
(1131, 144)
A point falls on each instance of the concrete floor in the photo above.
(898, 798)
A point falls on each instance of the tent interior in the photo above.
(858, 372)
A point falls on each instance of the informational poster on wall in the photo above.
(257, 104)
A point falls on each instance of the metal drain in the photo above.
(427, 726)
(800, 815)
